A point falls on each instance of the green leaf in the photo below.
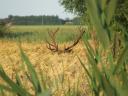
(18, 81)
(90, 53)
(32, 72)
(111, 6)
(122, 58)
(13, 85)
(108, 88)
(95, 13)
(7, 88)
(86, 70)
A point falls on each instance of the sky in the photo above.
(32, 7)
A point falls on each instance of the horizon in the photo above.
(39, 15)
(32, 7)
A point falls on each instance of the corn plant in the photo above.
(108, 74)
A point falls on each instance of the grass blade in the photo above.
(95, 14)
(122, 58)
(4, 87)
(32, 72)
(13, 85)
(86, 70)
(110, 10)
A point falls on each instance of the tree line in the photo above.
(41, 20)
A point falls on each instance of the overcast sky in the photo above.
(32, 7)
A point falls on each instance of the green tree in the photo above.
(121, 15)
(75, 6)
(79, 7)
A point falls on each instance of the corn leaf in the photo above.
(14, 86)
(4, 87)
(108, 88)
(122, 58)
(32, 72)
(111, 5)
(86, 70)
(95, 14)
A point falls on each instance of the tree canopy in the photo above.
(121, 14)
(41, 20)
(78, 7)
(75, 6)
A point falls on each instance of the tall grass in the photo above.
(108, 74)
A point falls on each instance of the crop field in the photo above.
(40, 33)
(83, 55)
(62, 72)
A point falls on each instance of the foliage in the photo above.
(121, 15)
(79, 7)
(3, 28)
(107, 74)
(75, 6)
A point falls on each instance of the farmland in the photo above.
(54, 66)
(40, 33)
(43, 55)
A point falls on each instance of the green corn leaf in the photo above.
(18, 81)
(4, 87)
(2, 90)
(95, 14)
(43, 83)
(122, 58)
(45, 88)
(14, 86)
(108, 88)
(96, 75)
(111, 6)
(88, 45)
(124, 77)
(90, 53)
(32, 72)
(103, 4)
(86, 70)
(91, 59)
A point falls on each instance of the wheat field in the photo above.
(62, 71)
